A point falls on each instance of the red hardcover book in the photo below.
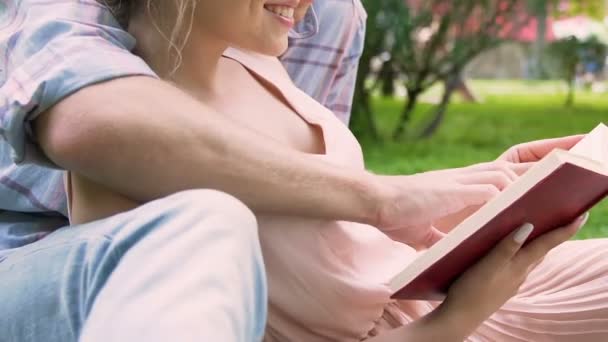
(557, 190)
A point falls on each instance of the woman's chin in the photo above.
(274, 49)
(279, 51)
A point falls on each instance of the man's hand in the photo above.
(521, 157)
(537, 150)
(415, 202)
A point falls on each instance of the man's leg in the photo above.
(184, 268)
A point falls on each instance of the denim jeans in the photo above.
(184, 268)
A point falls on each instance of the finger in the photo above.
(536, 150)
(535, 265)
(515, 170)
(472, 195)
(453, 198)
(496, 178)
(508, 248)
(433, 236)
(509, 169)
(447, 223)
(423, 237)
(441, 173)
(512, 170)
(538, 248)
(521, 168)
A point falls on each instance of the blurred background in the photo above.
(448, 83)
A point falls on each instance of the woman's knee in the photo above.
(199, 213)
(191, 218)
(201, 241)
(206, 203)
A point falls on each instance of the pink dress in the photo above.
(327, 278)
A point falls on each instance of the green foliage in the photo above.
(512, 112)
(559, 9)
(429, 42)
(592, 8)
(568, 52)
(571, 53)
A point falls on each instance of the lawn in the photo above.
(511, 112)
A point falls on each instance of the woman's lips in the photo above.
(284, 14)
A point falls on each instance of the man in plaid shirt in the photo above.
(71, 95)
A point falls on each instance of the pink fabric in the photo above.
(327, 279)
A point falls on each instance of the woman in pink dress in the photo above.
(327, 278)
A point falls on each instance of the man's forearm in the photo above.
(146, 139)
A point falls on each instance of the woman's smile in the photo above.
(283, 11)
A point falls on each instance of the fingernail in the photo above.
(582, 220)
(523, 233)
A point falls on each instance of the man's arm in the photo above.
(72, 91)
(152, 140)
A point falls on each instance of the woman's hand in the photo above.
(412, 204)
(485, 287)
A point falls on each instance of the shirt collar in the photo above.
(308, 27)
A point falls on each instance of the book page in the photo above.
(594, 145)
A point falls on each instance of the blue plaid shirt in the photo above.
(50, 49)
(323, 60)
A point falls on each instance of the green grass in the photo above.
(511, 112)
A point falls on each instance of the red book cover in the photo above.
(565, 194)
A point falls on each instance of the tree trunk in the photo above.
(570, 98)
(439, 113)
(363, 122)
(406, 114)
(387, 77)
(368, 116)
(538, 48)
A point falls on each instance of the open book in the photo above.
(553, 193)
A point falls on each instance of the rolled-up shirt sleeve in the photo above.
(49, 50)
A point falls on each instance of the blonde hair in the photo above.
(176, 36)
